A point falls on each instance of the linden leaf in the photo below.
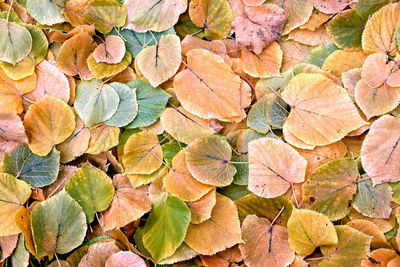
(380, 257)
(183, 126)
(160, 62)
(180, 183)
(128, 205)
(330, 188)
(373, 201)
(257, 27)
(11, 91)
(332, 6)
(105, 14)
(298, 12)
(92, 189)
(322, 154)
(46, 12)
(215, 17)
(263, 65)
(321, 111)
(151, 103)
(208, 160)
(308, 230)
(58, 225)
(155, 15)
(112, 51)
(36, 170)
(13, 195)
(48, 122)
(380, 151)
(95, 102)
(73, 54)
(142, 153)
(15, 40)
(385, 20)
(12, 128)
(341, 61)
(98, 254)
(76, 144)
(265, 244)
(201, 209)
(102, 70)
(371, 229)
(26, 67)
(125, 258)
(274, 167)
(221, 231)
(265, 207)
(351, 248)
(346, 29)
(171, 217)
(50, 81)
(137, 41)
(208, 88)
(102, 138)
(127, 108)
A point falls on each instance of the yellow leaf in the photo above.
(48, 122)
(309, 230)
(321, 111)
(142, 153)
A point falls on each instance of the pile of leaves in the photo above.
(260, 133)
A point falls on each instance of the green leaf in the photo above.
(26, 67)
(242, 170)
(93, 190)
(58, 225)
(170, 149)
(396, 192)
(331, 187)
(318, 55)
(46, 12)
(151, 101)
(234, 191)
(138, 238)
(135, 42)
(352, 247)
(20, 256)
(346, 29)
(217, 20)
(127, 108)
(15, 42)
(35, 170)
(308, 230)
(368, 7)
(13, 195)
(185, 26)
(166, 226)
(95, 102)
(105, 14)
(265, 207)
(373, 201)
(257, 118)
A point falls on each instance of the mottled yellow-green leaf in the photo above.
(105, 14)
(352, 247)
(102, 70)
(331, 187)
(92, 189)
(309, 230)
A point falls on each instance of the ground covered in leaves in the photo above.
(217, 133)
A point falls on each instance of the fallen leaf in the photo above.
(274, 167)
